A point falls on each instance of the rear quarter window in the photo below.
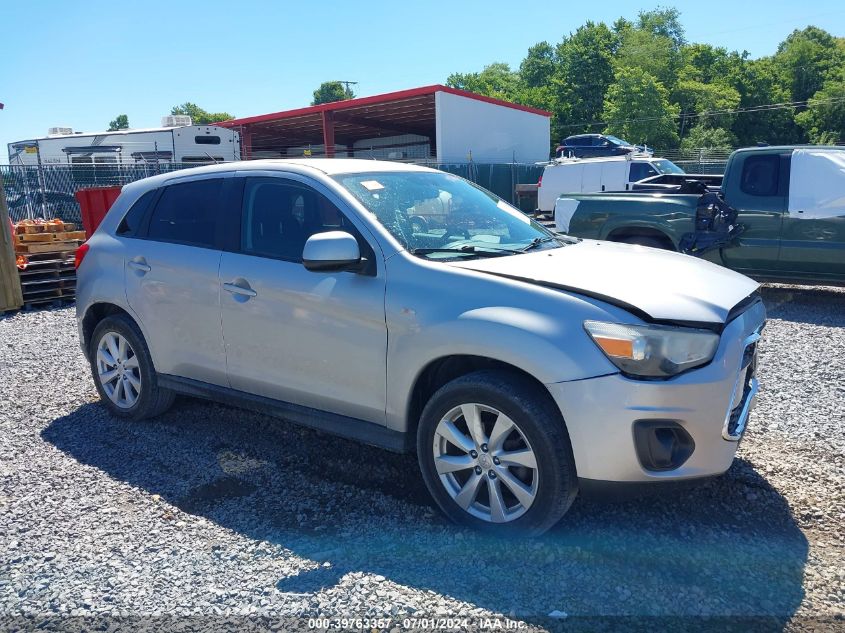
(130, 225)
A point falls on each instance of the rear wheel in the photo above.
(123, 370)
(495, 454)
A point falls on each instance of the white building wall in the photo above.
(488, 132)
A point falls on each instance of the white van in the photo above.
(588, 175)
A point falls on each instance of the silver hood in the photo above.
(663, 285)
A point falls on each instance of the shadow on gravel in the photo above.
(727, 548)
(806, 304)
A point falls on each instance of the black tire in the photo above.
(152, 399)
(645, 240)
(539, 421)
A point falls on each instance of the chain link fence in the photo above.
(698, 161)
(47, 191)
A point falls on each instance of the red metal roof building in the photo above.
(429, 123)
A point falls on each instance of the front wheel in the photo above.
(495, 454)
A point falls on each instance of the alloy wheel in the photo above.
(485, 463)
(118, 370)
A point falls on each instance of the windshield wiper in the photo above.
(467, 249)
(537, 241)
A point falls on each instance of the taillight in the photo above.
(81, 252)
(540, 182)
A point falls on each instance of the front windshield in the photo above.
(664, 166)
(443, 216)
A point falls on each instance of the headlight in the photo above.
(653, 351)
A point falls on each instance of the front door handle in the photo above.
(139, 265)
(240, 288)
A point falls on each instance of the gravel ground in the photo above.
(211, 511)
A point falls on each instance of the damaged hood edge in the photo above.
(655, 285)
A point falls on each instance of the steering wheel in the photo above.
(455, 231)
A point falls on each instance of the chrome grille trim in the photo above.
(737, 416)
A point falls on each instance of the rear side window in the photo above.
(131, 222)
(760, 175)
(186, 213)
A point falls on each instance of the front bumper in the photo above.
(601, 413)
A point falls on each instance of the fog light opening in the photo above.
(662, 445)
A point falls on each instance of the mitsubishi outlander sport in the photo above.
(518, 364)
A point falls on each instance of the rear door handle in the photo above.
(139, 264)
(241, 288)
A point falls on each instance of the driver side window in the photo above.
(640, 171)
(280, 215)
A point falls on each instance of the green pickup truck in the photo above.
(779, 215)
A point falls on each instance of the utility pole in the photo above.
(346, 85)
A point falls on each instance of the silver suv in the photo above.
(410, 309)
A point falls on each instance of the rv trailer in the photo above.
(178, 143)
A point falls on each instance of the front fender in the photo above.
(516, 337)
(447, 312)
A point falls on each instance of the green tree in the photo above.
(584, 73)
(652, 44)
(663, 22)
(331, 91)
(637, 108)
(198, 115)
(703, 94)
(120, 122)
(704, 137)
(760, 84)
(496, 80)
(709, 64)
(538, 67)
(807, 58)
(824, 118)
(706, 104)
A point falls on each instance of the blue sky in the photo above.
(80, 64)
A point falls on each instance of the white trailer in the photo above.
(197, 144)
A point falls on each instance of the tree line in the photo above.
(643, 81)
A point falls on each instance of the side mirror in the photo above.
(333, 250)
